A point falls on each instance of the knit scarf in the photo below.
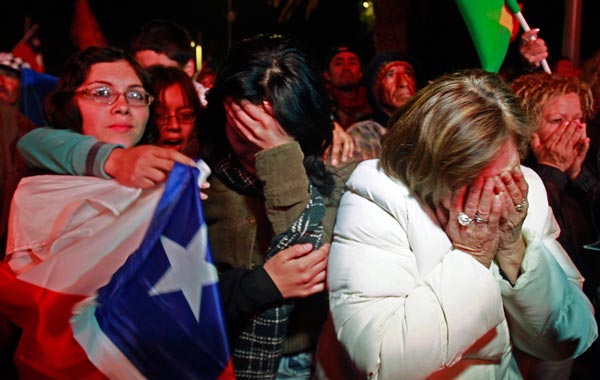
(258, 349)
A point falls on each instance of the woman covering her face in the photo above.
(266, 127)
(445, 258)
(561, 153)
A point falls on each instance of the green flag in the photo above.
(490, 24)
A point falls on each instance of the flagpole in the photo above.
(526, 28)
(27, 24)
(28, 34)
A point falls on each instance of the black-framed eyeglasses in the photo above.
(108, 95)
(183, 117)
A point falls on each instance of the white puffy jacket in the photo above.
(406, 305)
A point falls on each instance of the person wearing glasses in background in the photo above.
(175, 109)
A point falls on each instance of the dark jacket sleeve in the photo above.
(244, 291)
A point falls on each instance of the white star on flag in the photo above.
(189, 270)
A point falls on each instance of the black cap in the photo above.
(341, 48)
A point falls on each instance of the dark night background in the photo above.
(437, 34)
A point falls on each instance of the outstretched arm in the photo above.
(63, 151)
(67, 152)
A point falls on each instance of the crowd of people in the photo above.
(366, 221)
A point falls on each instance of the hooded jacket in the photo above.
(379, 115)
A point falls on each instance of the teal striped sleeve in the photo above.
(63, 151)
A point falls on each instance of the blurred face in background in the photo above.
(149, 58)
(207, 80)
(175, 118)
(396, 83)
(566, 68)
(10, 86)
(344, 71)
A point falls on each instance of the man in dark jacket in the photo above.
(391, 79)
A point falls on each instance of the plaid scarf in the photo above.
(258, 349)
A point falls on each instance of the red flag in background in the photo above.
(29, 49)
(85, 30)
(515, 23)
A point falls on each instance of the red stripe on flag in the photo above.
(29, 307)
(228, 372)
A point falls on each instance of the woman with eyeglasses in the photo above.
(104, 95)
(107, 96)
(175, 108)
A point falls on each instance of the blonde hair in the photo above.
(451, 130)
(534, 90)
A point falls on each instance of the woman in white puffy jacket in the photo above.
(444, 263)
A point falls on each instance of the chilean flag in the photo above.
(111, 282)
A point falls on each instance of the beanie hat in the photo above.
(371, 73)
(9, 61)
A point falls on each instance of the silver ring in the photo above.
(463, 219)
(521, 206)
(479, 219)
